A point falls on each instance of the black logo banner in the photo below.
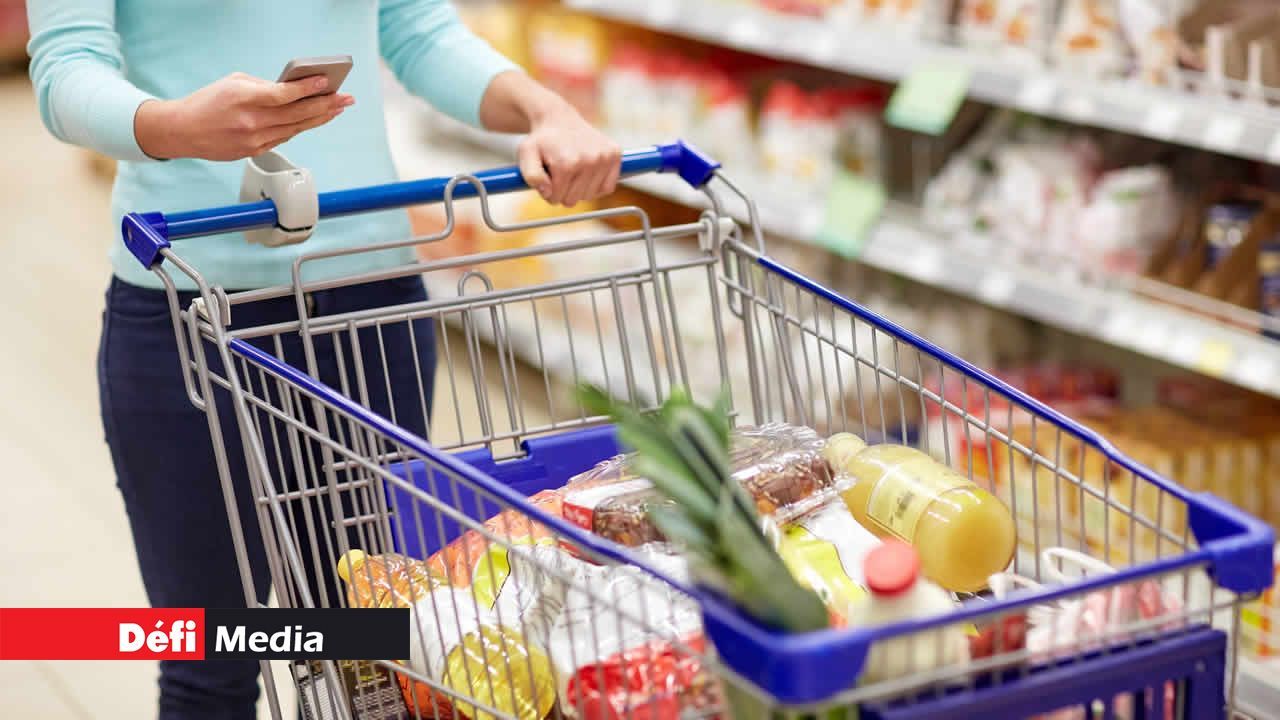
(316, 634)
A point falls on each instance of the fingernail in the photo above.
(320, 83)
(348, 101)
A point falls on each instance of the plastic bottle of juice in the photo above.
(963, 533)
(454, 638)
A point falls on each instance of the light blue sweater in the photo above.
(95, 61)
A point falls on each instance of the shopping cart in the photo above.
(641, 309)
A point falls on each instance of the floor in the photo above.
(62, 523)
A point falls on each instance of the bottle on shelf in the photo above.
(963, 533)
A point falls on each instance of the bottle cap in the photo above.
(891, 568)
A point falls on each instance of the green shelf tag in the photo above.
(854, 205)
(928, 98)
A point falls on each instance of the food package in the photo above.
(1016, 29)
(1088, 39)
(780, 466)
(567, 51)
(1077, 624)
(825, 551)
(1149, 27)
(625, 644)
(471, 561)
(1130, 212)
(465, 647)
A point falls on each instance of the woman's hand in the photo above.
(564, 158)
(236, 117)
(567, 160)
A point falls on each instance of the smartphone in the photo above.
(334, 67)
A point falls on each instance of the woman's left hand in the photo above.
(567, 160)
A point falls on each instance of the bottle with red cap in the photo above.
(898, 592)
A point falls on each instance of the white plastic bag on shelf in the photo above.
(1131, 211)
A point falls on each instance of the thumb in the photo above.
(530, 161)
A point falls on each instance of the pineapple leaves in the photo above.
(683, 449)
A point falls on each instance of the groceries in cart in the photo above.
(780, 466)
(511, 615)
(899, 593)
(963, 533)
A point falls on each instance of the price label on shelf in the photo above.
(1224, 132)
(744, 32)
(928, 98)
(820, 47)
(1273, 150)
(1162, 121)
(926, 264)
(1080, 107)
(1152, 337)
(1037, 94)
(1215, 357)
(854, 205)
(662, 12)
(997, 287)
(1256, 371)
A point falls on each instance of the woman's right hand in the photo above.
(236, 117)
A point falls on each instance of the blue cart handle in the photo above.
(146, 234)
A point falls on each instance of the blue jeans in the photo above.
(164, 463)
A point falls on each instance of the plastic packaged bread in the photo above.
(780, 466)
(625, 644)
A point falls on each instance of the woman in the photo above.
(151, 83)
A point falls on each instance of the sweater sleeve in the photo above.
(77, 70)
(437, 57)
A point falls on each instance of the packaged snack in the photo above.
(779, 465)
(1225, 228)
(384, 581)
(1260, 620)
(1016, 29)
(608, 664)
(1269, 273)
(1148, 25)
(899, 593)
(825, 551)
(1130, 212)
(963, 533)
(463, 559)
(1088, 38)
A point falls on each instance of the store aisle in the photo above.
(63, 531)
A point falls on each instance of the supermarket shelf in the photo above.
(901, 244)
(1211, 120)
(1258, 689)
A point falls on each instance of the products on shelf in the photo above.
(1046, 195)
(900, 592)
(780, 466)
(1016, 29)
(1269, 281)
(963, 533)
(1088, 38)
